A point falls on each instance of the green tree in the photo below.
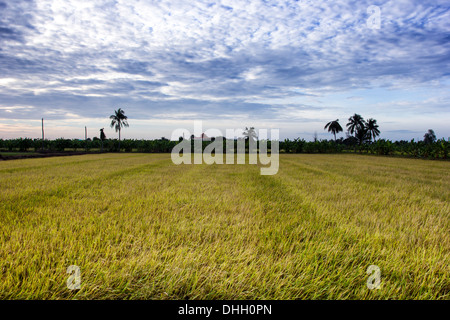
(250, 133)
(362, 135)
(102, 136)
(372, 129)
(355, 122)
(429, 137)
(333, 127)
(118, 121)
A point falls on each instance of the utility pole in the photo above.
(42, 134)
(85, 137)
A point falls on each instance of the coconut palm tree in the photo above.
(372, 129)
(250, 133)
(362, 135)
(355, 122)
(118, 121)
(333, 127)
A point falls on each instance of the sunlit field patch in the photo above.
(140, 227)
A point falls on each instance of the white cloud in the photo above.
(242, 57)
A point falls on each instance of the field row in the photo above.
(140, 227)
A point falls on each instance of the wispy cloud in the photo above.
(211, 59)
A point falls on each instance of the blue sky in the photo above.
(292, 65)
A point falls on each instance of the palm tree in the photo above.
(118, 121)
(362, 134)
(250, 133)
(334, 127)
(355, 122)
(372, 129)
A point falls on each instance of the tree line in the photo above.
(361, 138)
(436, 149)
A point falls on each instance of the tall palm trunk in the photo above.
(119, 119)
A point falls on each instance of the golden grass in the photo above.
(140, 227)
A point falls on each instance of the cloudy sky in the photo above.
(292, 65)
